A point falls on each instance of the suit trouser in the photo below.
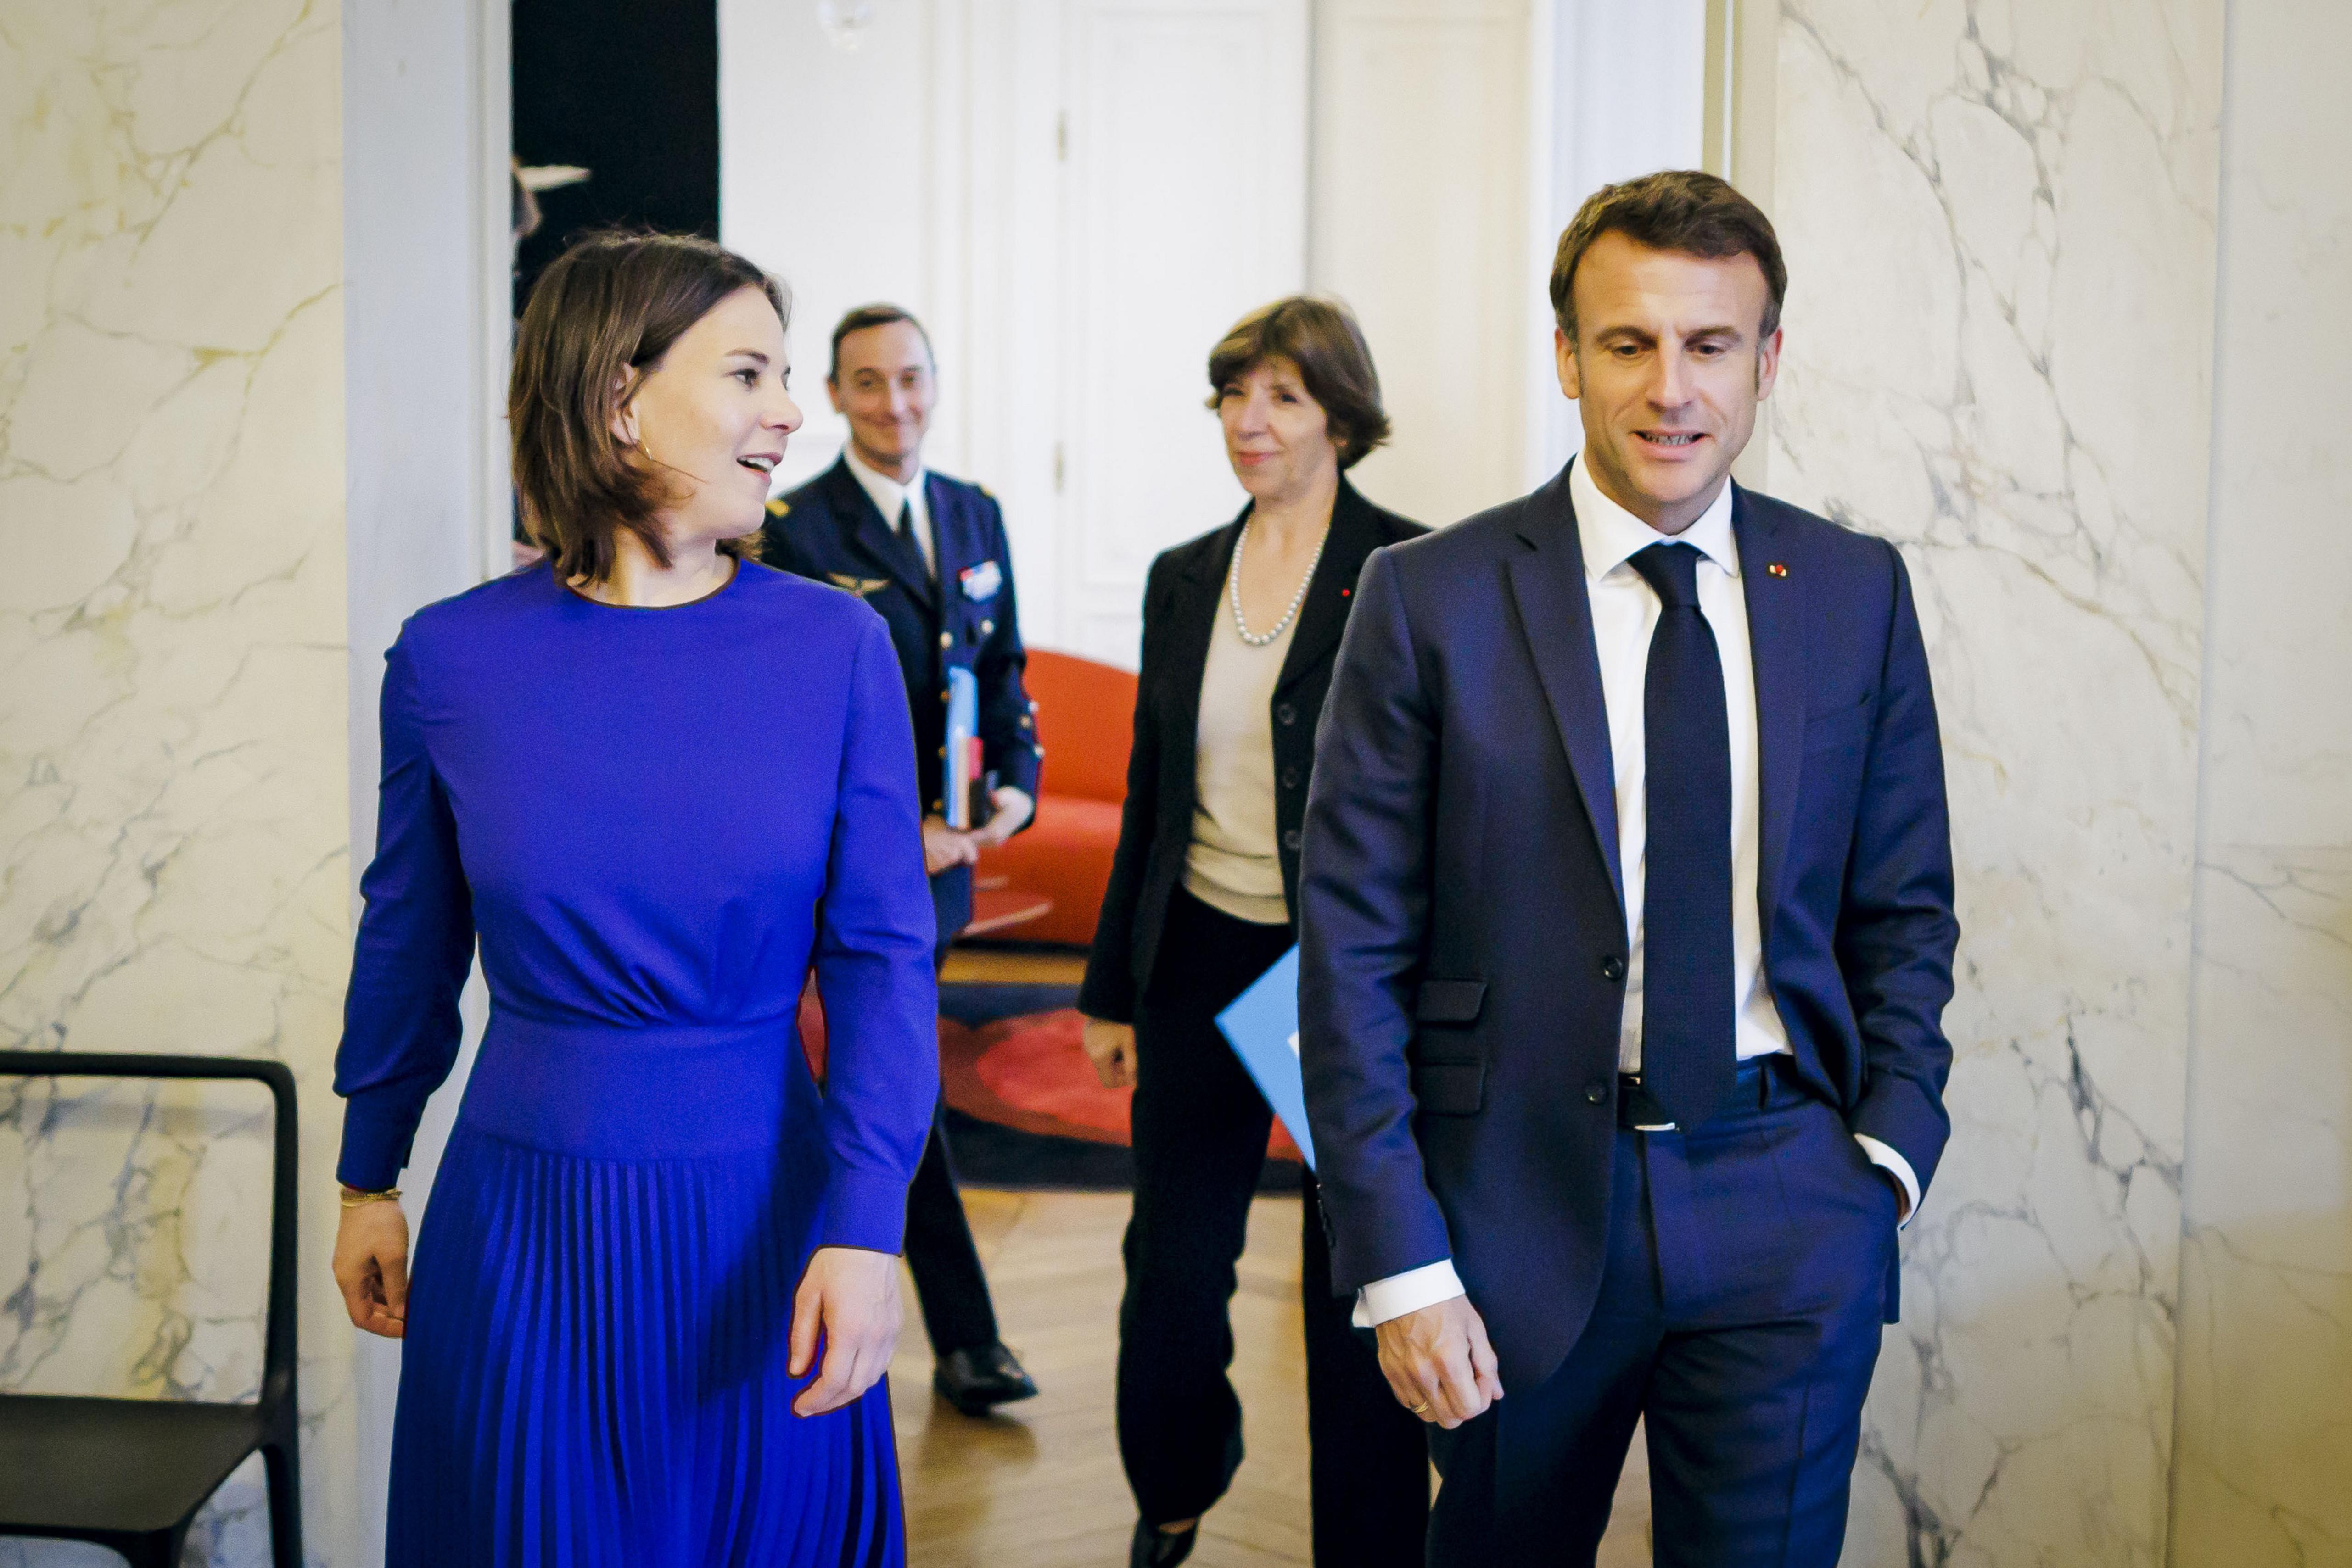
(948, 1284)
(1200, 1135)
(1739, 1316)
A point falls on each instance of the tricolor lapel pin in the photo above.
(1778, 570)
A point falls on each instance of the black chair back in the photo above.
(131, 1474)
(277, 1348)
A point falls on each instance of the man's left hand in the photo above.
(1013, 809)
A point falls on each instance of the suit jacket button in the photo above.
(986, 627)
(1613, 968)
(1290, 777)
(1290, 839)
(1285, 713)
(1596, 1093)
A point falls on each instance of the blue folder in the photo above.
(963, 723)
(1262, 1025)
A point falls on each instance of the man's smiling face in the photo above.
(1668, 368)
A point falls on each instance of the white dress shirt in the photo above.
(889, 496)
(1625, 610)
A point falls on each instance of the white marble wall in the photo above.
(173, 724)
(2263, 1467)
(2001, 227)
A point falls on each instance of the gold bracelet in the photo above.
(352, 1199)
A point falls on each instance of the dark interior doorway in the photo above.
(627, 89)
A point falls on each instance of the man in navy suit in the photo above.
(1626, 934)
(930, 553)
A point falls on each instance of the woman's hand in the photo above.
(1111, 1048)
(944, 846)
(850, 1296)
(371, 1267)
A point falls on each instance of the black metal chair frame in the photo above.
(49, 1488)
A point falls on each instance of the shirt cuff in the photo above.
(1883, 1156)
(1410, 1291)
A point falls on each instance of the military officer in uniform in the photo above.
(929, 552)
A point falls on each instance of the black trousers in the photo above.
(1200, 1132)
(948, 1284)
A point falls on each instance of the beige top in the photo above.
(1232, 865)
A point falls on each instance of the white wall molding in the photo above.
(427, 264)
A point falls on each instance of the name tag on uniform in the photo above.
(981, 581)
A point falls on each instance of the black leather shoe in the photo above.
(1156, 1548)
(976, 1381)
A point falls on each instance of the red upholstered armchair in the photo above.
(1085, 720)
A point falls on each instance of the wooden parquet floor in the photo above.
(1040, 1485)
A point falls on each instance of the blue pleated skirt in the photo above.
(594, 1370)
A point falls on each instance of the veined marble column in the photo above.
(2263, 1467)
(2000, 225)
(173, 728)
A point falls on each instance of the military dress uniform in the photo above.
(961, 616)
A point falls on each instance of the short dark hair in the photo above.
(1676, 209)
(880, 315)
(1321, 337)
(602, 315)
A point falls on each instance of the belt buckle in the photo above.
(1633, 1081)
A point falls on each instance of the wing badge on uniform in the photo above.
(860, 586)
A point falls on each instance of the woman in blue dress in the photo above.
(656, 1289)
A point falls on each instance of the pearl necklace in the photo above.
(1260, 640)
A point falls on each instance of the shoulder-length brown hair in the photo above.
(600, 317)
(1321, 337)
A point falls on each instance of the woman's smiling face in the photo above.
(1278, 437)
(713, 415)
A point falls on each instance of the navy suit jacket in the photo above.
(1463, 936)
(828, 529)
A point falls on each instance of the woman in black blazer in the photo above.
(1240, 630)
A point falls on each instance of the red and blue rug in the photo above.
(1024, 1107)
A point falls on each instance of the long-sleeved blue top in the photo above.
(656, 821)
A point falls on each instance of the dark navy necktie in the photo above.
(910, 549)
(1688, 1053)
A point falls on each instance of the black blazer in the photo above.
(1182, 597)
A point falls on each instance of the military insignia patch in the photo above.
(779, 508)
(981, 582)
(860, 586)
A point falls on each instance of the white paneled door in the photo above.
(1421, 224)
(1187, 137)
